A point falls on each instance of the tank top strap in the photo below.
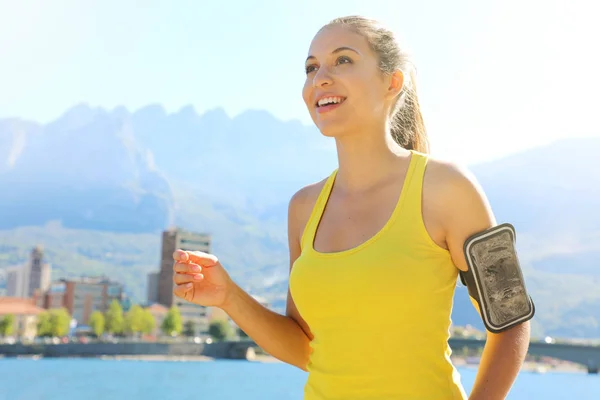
(414, 189)
(308, 236)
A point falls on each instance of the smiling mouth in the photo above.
(327, 101)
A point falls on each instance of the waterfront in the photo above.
(95, 379)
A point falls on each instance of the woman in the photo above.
(375, 248)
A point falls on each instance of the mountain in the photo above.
(97, 186)
(85, 169)
(253, 158)
(549, 189)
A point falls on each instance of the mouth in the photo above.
(329, 101)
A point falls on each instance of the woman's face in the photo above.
(345, 88)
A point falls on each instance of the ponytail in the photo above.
(407, 126)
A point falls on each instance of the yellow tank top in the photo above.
(379, 312)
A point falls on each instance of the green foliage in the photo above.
(60, 321)
(55, 322)
(148, 322)
(189, 328)
(220, 330)
(7, 325)
(115, 322)
(172, 324)
(134, 320)
(97, 322)
(44, 327)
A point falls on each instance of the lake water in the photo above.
(92, 379)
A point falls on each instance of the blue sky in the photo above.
(494, 77)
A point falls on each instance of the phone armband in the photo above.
(495, 280)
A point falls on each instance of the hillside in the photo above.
(84, 169)
(96, 187)
(74, 253)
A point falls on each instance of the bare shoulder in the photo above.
(300, 207)
(307, 196)
(457, 203)
(452, 182)
(304, 199)
(446, 173)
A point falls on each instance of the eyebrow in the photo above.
(339, 49)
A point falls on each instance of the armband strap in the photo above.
(495, 280)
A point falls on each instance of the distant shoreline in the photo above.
(529, 366)
(144, 357)
(459, 362)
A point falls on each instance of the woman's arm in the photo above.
(279, 335)
(467, 212)
(286, 337)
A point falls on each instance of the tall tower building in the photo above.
(38, 272)
(172, 240)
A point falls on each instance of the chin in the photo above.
(332, 129)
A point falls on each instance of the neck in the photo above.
(367, 159)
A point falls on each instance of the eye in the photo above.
(344, 60)
(310, 68)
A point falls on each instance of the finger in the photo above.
(182, 290)
(180, 255)
(186, 268)
(201, 258)
(186, 278)
(180, 279)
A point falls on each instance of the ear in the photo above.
(396, 83)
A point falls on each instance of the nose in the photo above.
(322, 77)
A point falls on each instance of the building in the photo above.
(82, 296)
(55, 297)
(198, 315)
(38, 272)
(16, 282)
(153, 287)
(25, 312)
(172, 240)
(26, 280)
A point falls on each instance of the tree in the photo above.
(44, 328)
(7, 325)
(134, 320)
(189, 328)
(172, 325)
(97, 323)
(60, 322)
(220, 330)
(148, 323)
(114, 318)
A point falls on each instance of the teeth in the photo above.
(329, 100)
